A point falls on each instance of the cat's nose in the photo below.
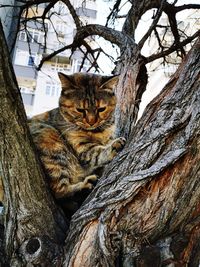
(91, 119)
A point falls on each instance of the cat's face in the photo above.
(87, 100)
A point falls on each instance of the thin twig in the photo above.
(153, 25)
(172, 48)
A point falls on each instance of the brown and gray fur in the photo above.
(76, 139)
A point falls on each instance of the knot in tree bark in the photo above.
(33, 246)
(41, 251)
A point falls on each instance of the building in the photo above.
(40, 90)
(158, 73)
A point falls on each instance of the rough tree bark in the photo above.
(145, 209)
(32, 221)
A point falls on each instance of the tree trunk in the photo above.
(145, 209)
(35, 228)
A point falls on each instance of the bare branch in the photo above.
(158, 39)
(113, 12)
(114, 36)
(73, 13)
(135, 13)
(170, 11)
(9, 6)
(153, 25)
(48, 57)
(172, 48)
(91, 52)
(189, 6)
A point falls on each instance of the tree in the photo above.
(145, 209)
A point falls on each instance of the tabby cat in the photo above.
(76, 139)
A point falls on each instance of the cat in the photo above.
(77, 138)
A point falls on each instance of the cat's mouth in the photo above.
(88, 127)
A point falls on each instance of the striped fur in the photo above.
(76, 139)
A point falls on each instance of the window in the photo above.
(23, 58)
(61, 27)
(32, 35)
(60, 67)
(84, 68)
(35, 36)
(48, 89)
(52, 89)
(22, 36)
(31, 60)
(64, 67)
(53, 67)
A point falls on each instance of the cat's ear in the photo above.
(66, 80)
(109, 82)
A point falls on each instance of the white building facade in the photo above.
(41, 90)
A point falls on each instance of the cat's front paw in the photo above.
(89, 181)
(117, 145)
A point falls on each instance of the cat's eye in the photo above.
(101, 109)
(81, 110)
